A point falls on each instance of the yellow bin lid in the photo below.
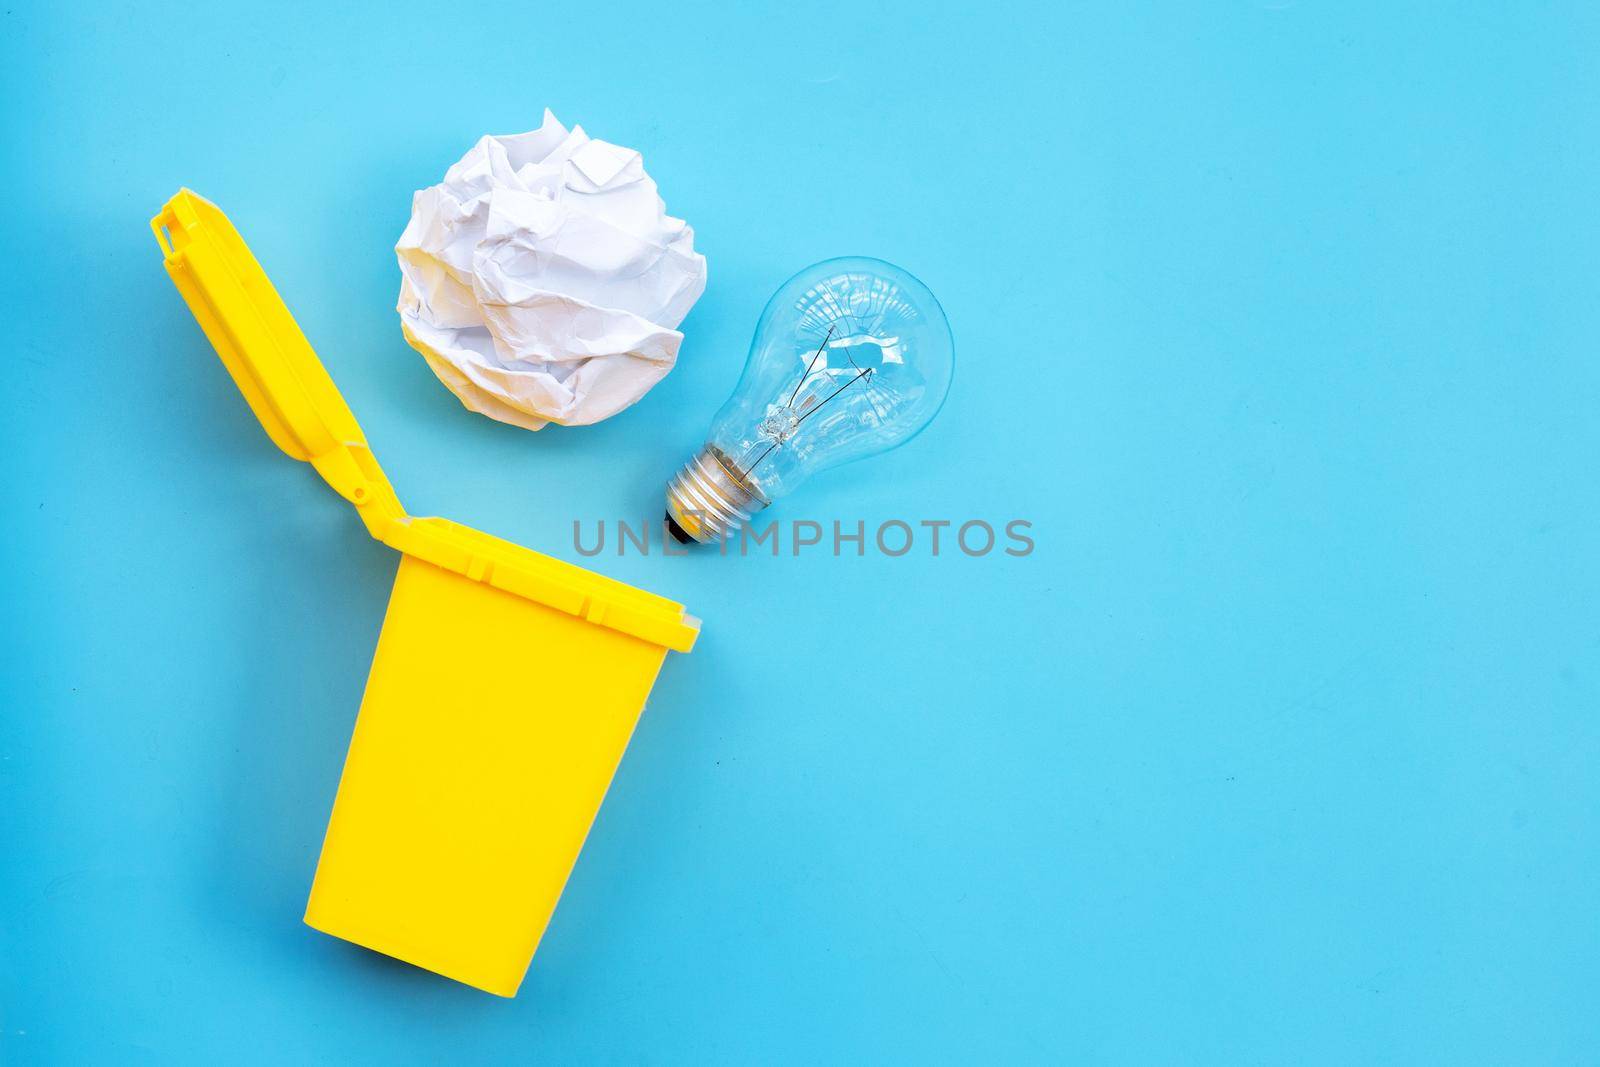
(297, 403)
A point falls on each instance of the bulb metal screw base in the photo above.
(707, 501)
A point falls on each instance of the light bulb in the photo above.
(852, 357)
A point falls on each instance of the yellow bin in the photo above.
(503, 691)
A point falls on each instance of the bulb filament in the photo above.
(782, 433)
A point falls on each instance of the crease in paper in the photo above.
(543, 280)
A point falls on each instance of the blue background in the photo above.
(1278, 321)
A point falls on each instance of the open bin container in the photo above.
(505, 685)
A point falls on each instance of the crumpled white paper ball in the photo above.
(544, 281)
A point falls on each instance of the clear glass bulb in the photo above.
(852, 357)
